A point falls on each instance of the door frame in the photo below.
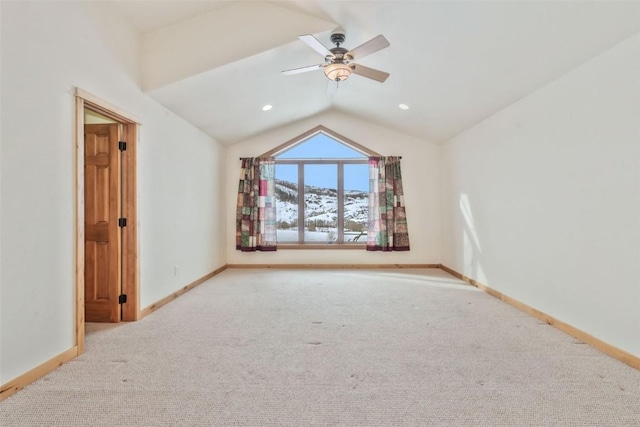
(130, 259)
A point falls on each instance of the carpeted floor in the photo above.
(323, 348)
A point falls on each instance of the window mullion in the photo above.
(340, 202)
(300, 202)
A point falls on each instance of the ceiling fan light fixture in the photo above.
(337, 72)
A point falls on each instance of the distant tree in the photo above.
(285, 196)
(352, 225)
(288, 184)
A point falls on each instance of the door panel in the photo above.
(102, 233)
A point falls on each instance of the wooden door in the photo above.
(102, 283)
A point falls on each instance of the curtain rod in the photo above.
(325, 159)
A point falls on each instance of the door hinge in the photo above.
(122, 222)
(122, 145)
(122, 299)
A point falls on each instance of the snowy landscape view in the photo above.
(321, 213)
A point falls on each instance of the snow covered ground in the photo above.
(325, 236)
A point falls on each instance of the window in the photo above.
(322, 190)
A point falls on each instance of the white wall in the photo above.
(542, 201)
(47, 49)
(180, 176)
(421, 184)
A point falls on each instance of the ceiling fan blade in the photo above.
(315, 44)
(302, 69)
(369, 73)
(375, 44)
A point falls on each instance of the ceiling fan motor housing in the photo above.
(339, 55)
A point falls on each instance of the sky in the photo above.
(356, 177)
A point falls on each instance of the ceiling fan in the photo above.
(339, 63)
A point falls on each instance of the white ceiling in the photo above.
(454, 63)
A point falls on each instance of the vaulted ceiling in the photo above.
(454, 63)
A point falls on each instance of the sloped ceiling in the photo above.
(454, 63)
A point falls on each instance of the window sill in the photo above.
(285, 246)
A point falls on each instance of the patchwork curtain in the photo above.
(387, 217)
(256, 208)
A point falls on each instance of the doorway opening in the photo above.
(107, 288)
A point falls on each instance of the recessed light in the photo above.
(267, 107)
(403, 106)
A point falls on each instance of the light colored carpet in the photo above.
(346, 348)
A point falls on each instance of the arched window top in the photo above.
(320, 146)
(320, 143)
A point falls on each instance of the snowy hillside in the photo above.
(321, 205)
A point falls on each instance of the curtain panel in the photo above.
(387, 229)
(256, 207)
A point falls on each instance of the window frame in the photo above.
(340, 194)
(339, 162)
